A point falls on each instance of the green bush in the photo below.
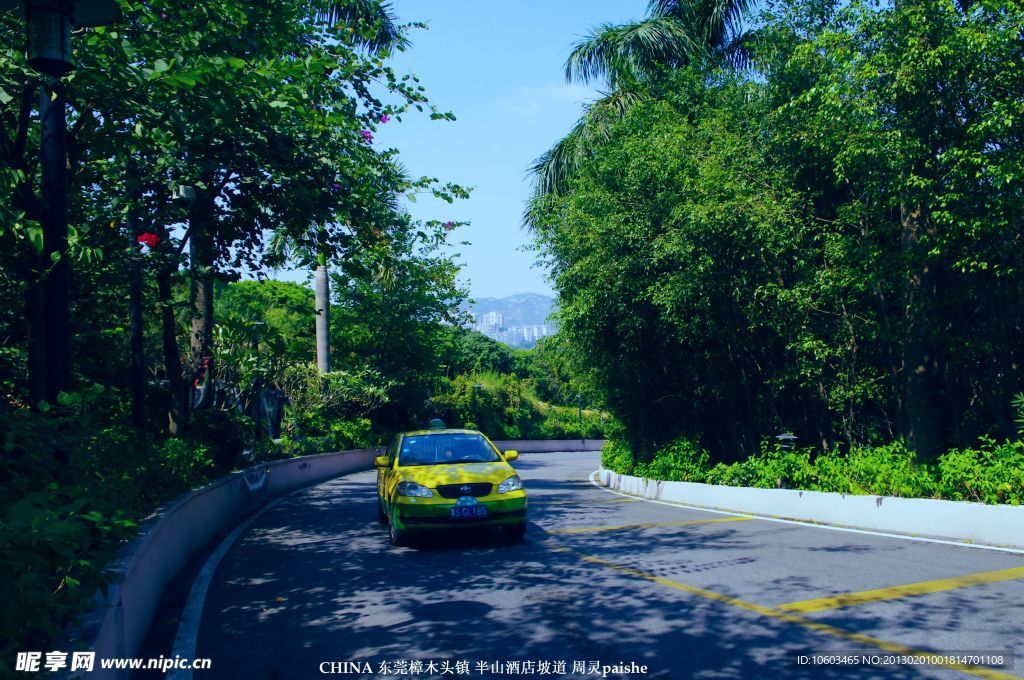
(59, 525)
(889, 470)
(505, 407)
(563, 422)
(616, 456)
(223, 435)
(993, 473)
(680, 461)
(341, 435)
(316, 401)
(188, 464)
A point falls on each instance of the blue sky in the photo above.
(498, 66)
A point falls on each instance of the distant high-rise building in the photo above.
(524, 315)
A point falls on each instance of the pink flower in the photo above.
(449, 225)
(335, 187)
(367, 136)
(384, 118)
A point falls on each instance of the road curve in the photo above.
(601, 582)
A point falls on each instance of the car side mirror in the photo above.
(511, 455)
(380, 461)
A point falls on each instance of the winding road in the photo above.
(602, 585)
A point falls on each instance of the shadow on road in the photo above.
(316, 581)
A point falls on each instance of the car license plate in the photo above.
(469, 512)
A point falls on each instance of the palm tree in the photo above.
(319, 244)
(628, 57)
(386, 34)
(359, 13)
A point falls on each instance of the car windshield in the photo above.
(439, 449)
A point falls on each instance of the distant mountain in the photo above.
(523, 309)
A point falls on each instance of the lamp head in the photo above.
(48, 28)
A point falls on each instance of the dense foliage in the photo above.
(827, 243)
(205, 142)
(506, 406)
(993, 472)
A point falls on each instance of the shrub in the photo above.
(889, 470)
(993, 473)
(222, 435)
(341, 435)
(505, 407)
(58, 524)
(563, 422)
(315, 401)
(680, 461)
(616, 456)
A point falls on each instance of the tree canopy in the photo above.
(830, 245)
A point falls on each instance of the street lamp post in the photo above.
(57, 285)
(579, 398)
(48, 26)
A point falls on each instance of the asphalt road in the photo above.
(601, 580)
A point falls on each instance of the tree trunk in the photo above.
(35, 312)
(177, 416)
(138, 371)
(322, 300)
(57, 285)
(920, 361)
(201, 299)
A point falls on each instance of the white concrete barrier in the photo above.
(175, 532)
(994, 525)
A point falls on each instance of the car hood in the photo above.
(434, 476)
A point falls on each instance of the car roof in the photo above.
(449, 430)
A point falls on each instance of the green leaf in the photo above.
(34, 232)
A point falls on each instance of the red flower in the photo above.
(148, 239)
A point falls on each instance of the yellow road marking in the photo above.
(895, 592)
(818, 627)
(620, 527)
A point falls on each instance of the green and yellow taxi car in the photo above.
(445, 478)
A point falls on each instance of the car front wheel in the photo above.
(396, 535)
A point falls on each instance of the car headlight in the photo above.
(414, 489)
(513, 483)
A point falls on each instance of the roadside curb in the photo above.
(191, 617)
(973, 525)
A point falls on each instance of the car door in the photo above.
(385, 474)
